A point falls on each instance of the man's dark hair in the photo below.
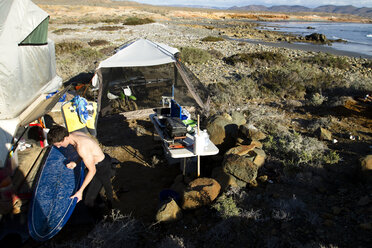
(56, 134)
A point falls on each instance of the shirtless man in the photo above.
(97, 162)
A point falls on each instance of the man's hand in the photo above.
(78, 195)
(71, 165)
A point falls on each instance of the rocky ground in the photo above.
(290, 201)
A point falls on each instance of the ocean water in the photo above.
(357, 35)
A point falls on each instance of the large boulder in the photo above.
(201, 192)
(224, 179)
(251, 132)
(258, 156)
(250, 152)
(222, 131)
(241, 167)
(316, 37)
(240, 150)
(324, 134)
(238, 118)
(169, 212)
(366, 163)
(366, 168)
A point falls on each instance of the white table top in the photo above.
(186, 152)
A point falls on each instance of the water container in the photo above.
(206, 138)
(199, 141)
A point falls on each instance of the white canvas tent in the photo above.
(27, 66)
(142, 54)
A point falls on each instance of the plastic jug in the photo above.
(206, 138)
(199, 143)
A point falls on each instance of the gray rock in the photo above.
(224, 179)
(201, 192)
(169, 212)
(324, 134)
(240, 167)
(321, 38)
(222, 131)
(366, 163)
(258, 156)
(251, 132)
(238, 118)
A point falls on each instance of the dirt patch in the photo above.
(142, 172)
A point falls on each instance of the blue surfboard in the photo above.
(51, 205)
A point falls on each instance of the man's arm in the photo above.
(73, 164)
(89, 163)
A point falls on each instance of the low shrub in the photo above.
(317, 99)
(63, 30)
(295, 150)
(88, 54)
(281, 83)
(115, 20)
(67, 47)
(173, 241)
(233, 93)
(212, 39)
(137, 21)
(108, 28)
(194, 55)
(251, 58)
(323, 82)
(226, 207)
(215, 53)
(113, 231)
(328, 60)
(98, 42)
(295, 83)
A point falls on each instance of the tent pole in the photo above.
(175, 79)
(198, 133)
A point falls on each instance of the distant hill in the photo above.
(347, 9)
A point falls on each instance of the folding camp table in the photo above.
(187, 151)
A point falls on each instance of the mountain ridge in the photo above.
(345, 9)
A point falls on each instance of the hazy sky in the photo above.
(230, 3)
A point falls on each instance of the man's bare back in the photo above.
(87, 147)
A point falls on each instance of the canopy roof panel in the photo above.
(141, 52)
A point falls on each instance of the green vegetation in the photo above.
(226, 207)
(193, 55)
(234, 92)
(215, 53)
(137, 21)
(212, 39)
(113, 20)
(68, 47)
(108, 28)
(328, 60)
(281, 83)
(63, 30)
(251, 58)
(98, 42)
(296, 150)
(317, 99)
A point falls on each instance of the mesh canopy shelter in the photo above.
(27, 64)
(150, 70)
